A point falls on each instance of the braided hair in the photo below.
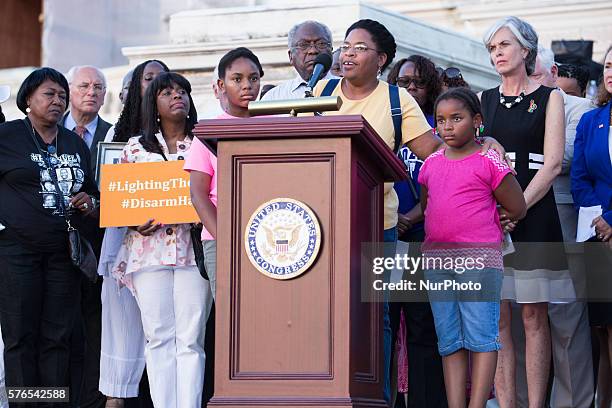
(130, 120)
(384, 40)
(579, 73)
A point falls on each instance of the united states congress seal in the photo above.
(282, 238)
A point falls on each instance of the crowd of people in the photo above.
(514, 162)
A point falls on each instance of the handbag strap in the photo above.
(330, 86)
(193, 225)
(396, 115)
(52, 174)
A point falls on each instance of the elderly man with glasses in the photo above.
(87, 91)
(306, 40)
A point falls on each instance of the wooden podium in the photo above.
(308, 341)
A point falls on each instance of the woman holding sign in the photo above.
(122, 344)
(157, 261)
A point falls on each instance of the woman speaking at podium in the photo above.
(367, 50)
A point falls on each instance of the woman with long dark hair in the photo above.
(158, 263)
(418, 75)
(122, 359)
(131, 119)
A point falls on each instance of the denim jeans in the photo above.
(390, 239)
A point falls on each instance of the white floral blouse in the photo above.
(170, 244)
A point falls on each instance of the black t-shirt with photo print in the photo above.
(29, 204)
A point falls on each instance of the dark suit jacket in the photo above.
(592, 168)
(90, 228)
(101, 131)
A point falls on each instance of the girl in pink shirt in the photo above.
(460, 191)
(239, 81)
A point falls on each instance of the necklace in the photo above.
(51, 150)
(509, 105)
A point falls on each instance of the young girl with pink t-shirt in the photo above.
(460, 193)
(239, 82)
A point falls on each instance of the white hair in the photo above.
(524, 33)
(73, 71)
(295, 28)
(547, 57)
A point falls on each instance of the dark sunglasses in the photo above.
(451, 73)
(404, 82)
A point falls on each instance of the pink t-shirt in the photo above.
(461, 206)
(202, 159)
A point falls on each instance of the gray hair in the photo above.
(73, 71)
(524, 33)
(547, 57)
(295, 28)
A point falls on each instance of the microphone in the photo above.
(323, 63)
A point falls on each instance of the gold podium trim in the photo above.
(295, 106)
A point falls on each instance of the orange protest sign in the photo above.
(133, 193)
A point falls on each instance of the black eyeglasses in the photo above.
(405, 81)
(319, 45)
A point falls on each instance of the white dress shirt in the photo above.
(292, 89)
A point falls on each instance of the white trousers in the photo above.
(122, 358)
(174, 305)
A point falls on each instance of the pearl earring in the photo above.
(28, 110)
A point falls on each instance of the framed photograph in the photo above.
(108, 153)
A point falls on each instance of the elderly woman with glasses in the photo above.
(367, 50)
(528, 119)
